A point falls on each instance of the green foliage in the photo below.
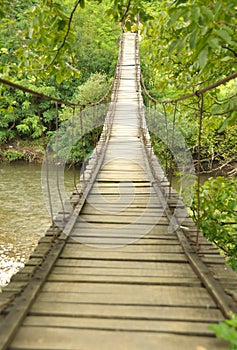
(128, 12)
(227, 330)
(31, 33)
(189, 45)
(218, 215)
(52, 38)
(21, 114)
(92, 90)
(13, 155)
(84, 146)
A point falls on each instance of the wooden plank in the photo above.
(116, 199)
(155, 249)
(142, 219)
(125, 264)
(222, 271)
(159, 270)
(111, 240)
(135, 226)
(151, 231)
(148, 241)
(122, 176)
(135, 280)
(126, 231)
(166, 313)
(121, 190)
(108, 256)
(129, 294)
(123, 230)
(15, 286)
(51, 338)
(138, 325)
(122, 211)
(125, 184)
(122, 206)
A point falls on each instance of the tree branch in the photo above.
(196, 93)
(231, 50)
(126, 11)
(65, 36)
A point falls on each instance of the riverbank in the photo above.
(33, 151)
(26, 150)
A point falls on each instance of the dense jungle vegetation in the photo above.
(68, 49)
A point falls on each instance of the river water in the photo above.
(23, 214)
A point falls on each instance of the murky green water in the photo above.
(23, 215)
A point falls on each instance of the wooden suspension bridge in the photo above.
(118, 277)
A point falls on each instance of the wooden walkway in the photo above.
(120, 280)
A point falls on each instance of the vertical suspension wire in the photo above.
(150, 119)
(172, 146)
(167, 137)
(57, 165)
(46, 164)
(94, 130)
(83, 146)
(200, 107)
(97, 127)
(153, 128)
(73, 160)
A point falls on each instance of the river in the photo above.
(23, 215)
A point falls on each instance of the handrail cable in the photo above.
(51, 98)
(193, 94)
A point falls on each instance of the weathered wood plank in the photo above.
(124, 264)
(125, 312)
(51, 338)
(142, 219)
(135, 280)
(128, 256)
(125, 211)
(159, 270)
(140, 249)
(130, 294)
(130, 230)
(145, 326)
(73, 239)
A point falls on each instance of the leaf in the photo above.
(173, 45)
(214, 43)
(203, 57)
(176, 16)
(178, 2)
(223, 34)
(207, 12)
(59, 77)
(82, 4)
(226, 58)
(193, 39)
(229, 121)
(195, 11)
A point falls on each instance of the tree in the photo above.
(30, 34)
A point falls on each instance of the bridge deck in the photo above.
(122, 281)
